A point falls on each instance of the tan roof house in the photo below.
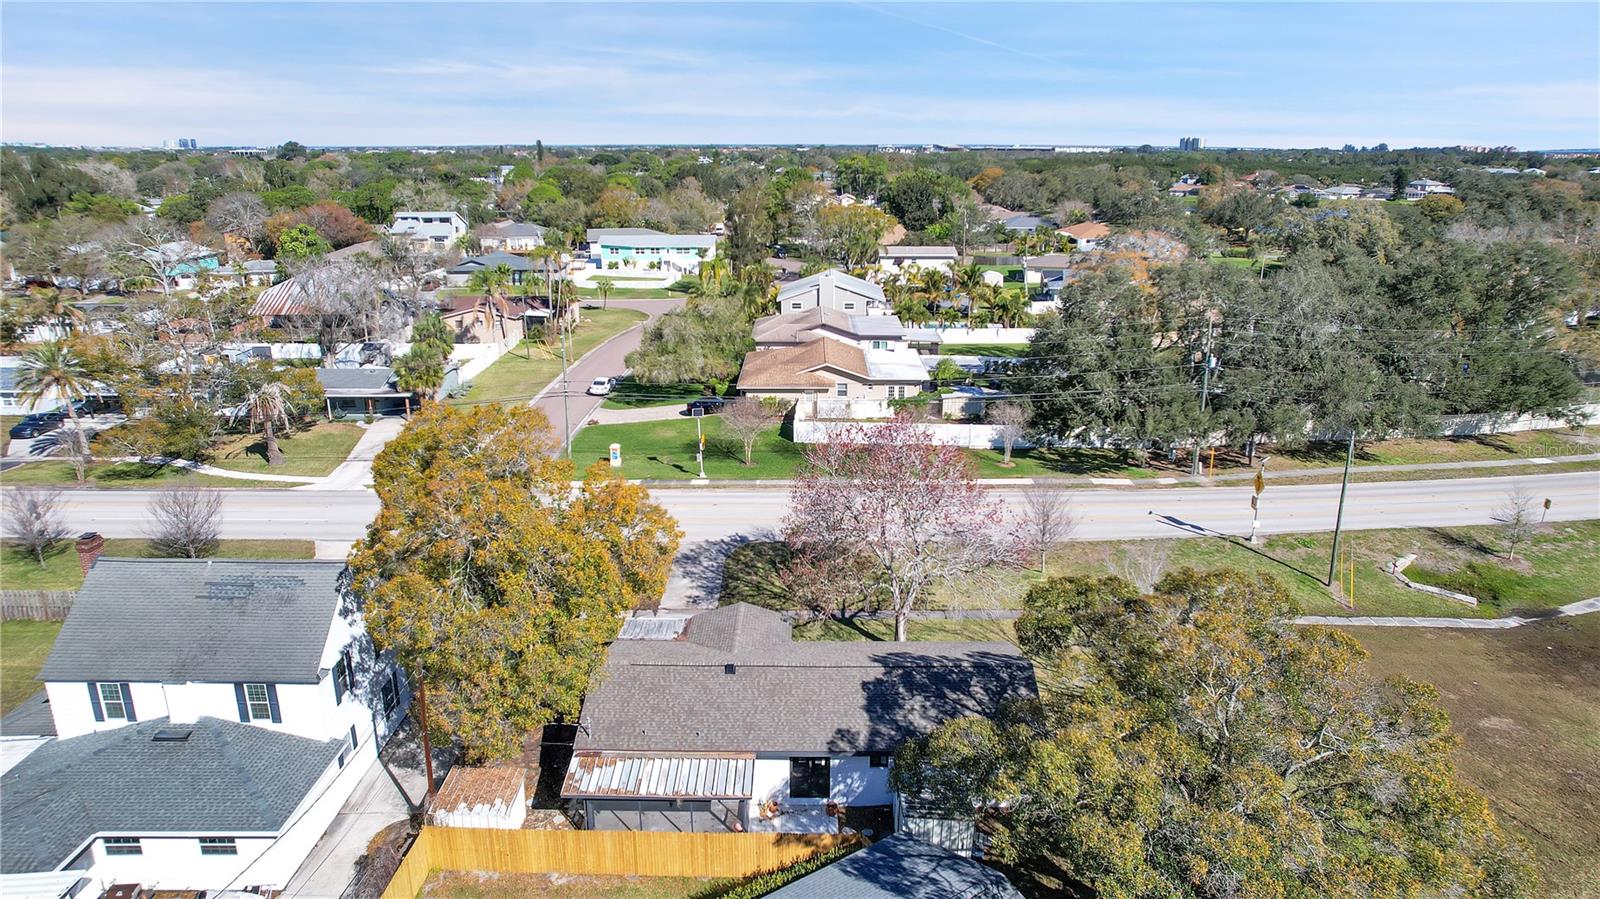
(829, 368)
(1085, 235)
(880, 332)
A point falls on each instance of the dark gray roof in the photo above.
(490, 260)
(787, 696)
(179, 620)
(513, 229)
(30, 719)
(226, 778)
(355, 381)
(901, 867)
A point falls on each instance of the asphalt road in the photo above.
(710, 514)
(604, 361)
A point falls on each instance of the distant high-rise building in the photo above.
(1191, 143)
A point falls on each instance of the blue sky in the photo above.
(1245, 74)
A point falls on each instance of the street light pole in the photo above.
(1210, 362)
(700, 443)
(1338, 521)
(566, 414)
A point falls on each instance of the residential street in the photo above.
(604, 361)
(718, 513)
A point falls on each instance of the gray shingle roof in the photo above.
(826, 283)
(220, 621)
(490, 260)
(901, 867)
(226, 778)
(355, 381)
(788, 696)
(514, 229)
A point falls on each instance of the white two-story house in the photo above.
(437, 229)
(732, 725)
(832, 289)
(212, 717)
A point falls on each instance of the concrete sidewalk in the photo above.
(604, 416)
(355, 472)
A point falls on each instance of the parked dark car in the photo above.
(36, 424)
(706, 405)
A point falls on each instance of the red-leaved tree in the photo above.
(911, 508)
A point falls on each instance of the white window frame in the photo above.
(116, 696)
(841, 389)
(121, 846)
(253, 705)
(219, 846)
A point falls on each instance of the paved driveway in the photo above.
(566, 401)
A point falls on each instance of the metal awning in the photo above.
(638, 775)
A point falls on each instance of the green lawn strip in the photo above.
(61, 571)
(520, 374)
(7, 422)
(665, 450)
(635, 293)
(947, 629)
(1560, 565)
(630, 394)
(25, 645)
(1059, 462)
(132, 475)
(1425, 474)
(315, 451)
(1009, 350)
(1414, 451)
(1526, 706)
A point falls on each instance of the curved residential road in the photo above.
(604, 361)
(718, 514)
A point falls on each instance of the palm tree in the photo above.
(604, 285)
(420, 371)
(1009, 306)
(268, 404)
(49, 306)
(713, 274)
(931, 286)
(968, 281)
(55, 370)
(493, 282)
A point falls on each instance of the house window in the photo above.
(808, 778)
(112, 701)
(849, 307)
(878, 760)
(218, 846)
(123, 846)
(391, 692)
(880, 344)
(341, 679)
(841, 389)
(255, 698)
(795, 306)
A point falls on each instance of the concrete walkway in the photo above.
(1581, 607)
(355, 472)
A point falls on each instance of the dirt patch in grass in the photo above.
(1526, 704)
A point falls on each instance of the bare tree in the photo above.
(1518, 522)
(405, 265)
(33, 518)
(239, 215)
(909, 506)
(1011, 424)
(186, 521)
(339, 303)
(147, 251)
(748, 418)
(1047, 519)
(1141, 563)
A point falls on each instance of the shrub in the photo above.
(762, 884)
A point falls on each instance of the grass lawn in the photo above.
(925, 629)
(1520, 445)
(523, 372)
(457, 885)
(61, 570)
(1012, 273)
(665, 450)
(315, 451)
(134, 475)
(6, 424)
(636, 293)
(1009, 350)
(1560, 565)
(1526, 705)
(630, 394)
(23, 648)
(1057, 462)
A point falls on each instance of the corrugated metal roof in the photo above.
(648, 776)
(652, 628)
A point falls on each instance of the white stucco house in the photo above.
(511, 237)
(905, 259)
(1422, 187)
(649, 250)
(755, 732)
(212, 716)
(436, 229)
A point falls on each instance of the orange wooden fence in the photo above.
(601, 852)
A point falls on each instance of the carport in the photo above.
(683, 793)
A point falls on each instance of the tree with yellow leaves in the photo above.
(1193, 742)
(495, 583)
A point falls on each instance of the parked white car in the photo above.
(601, 386)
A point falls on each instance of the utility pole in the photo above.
(1205, 393)
(427, 744)
(566, 389)
(1338, 521)
(700, 443)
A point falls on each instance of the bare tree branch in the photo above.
(34, 519)
(186, 521)
(1047, 519)
(748, 418)
(1141, 563)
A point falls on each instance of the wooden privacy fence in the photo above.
(38, 605)
(616, 852)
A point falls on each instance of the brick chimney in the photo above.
(89, 547)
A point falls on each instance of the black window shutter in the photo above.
(127, 701)
(94, 701)
(350, 668)
(272, 703)
(339, 676)
(244, 707)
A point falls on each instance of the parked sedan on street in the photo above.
(601, 386)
